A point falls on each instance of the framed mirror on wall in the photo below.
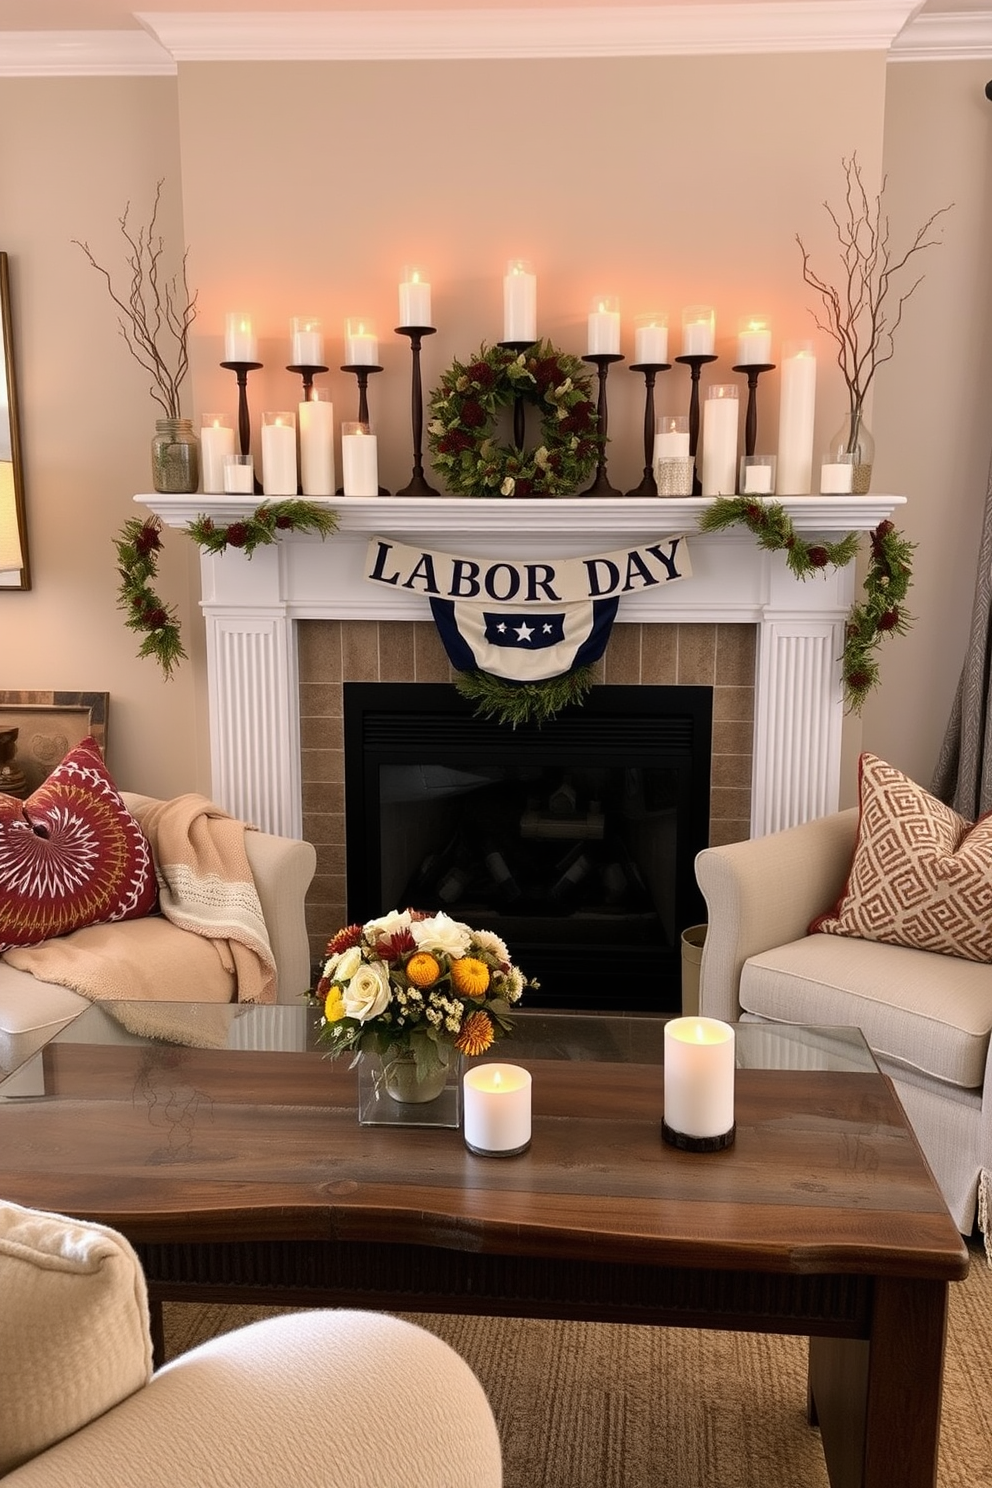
(15, 572)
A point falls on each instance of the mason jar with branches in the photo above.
(864, 310)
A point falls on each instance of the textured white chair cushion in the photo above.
(930, 1012)
(74, 1334)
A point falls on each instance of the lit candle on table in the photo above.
(361, 346)
(240, 343)
(699, 1080)
(497, 1109)
(519, 302)
(698, 330)
(307, 342)
(604, 326)
(754, 342)
(317, 444)
(651, 340)
(359, 460)
(720, 412)
(415, 299)
(797, 409)
(216, 441)
(278, 454)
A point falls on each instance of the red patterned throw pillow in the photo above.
(921, 875)
(71, 855)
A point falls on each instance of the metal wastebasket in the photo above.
(693, 937)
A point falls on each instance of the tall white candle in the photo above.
(650, 340)
(754, 342)
(604, 326)
(519, 302)
(361, 345)
(216, 441)
(497, 1109)
(797, 410)
(317, 446)
(359, 460)
(698, 330)
(306, 342)
(240, 343)
(278, 454)
(720, 416)
(699, 1076)
(415, 299)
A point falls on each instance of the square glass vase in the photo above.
(376, 1107)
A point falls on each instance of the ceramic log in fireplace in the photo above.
(574, 841)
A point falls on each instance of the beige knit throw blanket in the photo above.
(210, 943)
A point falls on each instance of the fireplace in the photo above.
(575, 842)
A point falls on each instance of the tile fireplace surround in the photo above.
(252, 607)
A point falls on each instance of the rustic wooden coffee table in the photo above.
(242, 1173)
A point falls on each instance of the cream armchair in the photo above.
(305, 1400)
(926, 1017)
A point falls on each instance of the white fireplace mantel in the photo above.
(251, 607)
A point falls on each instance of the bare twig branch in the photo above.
(152, 308)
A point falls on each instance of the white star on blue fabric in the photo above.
(524, 631)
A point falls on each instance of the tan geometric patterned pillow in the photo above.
(921, 875)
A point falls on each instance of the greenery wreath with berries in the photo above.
(139, 542)
(471, 395)
(887, 579)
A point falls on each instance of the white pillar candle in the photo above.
(415, 299)
(757, 475)
(797, 410)
(699, 1077)
(497, 1109)
(837, 477)
(361, 346)
(719, 434)
(754, 342)
(519, 302)
(671, 437)
(698, 330)
(651, 340)
(317, 445)
(216, 441)
(240, 344)
(359, 460)
(278, 454)
(306, 342)
(239, 475)
(604, 326)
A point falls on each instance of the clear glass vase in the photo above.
(854, 438)
(175, 457)
(389, 1093)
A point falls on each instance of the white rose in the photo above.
(441, 933)
(339, 968)
(387, 925)
(506, 489)
(368, 993)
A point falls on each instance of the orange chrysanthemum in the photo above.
(422, 969)
(477, 1034)
(469, 976)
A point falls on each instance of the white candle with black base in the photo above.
(497, 1109)
(699, 1084)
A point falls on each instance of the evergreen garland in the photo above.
(523, 702)
(887, 580)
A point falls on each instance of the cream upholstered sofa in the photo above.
(333, 1399)
(927, 1017)
(282, 869)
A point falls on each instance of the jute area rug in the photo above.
(596, 1405)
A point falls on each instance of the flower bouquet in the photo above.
(413, 987)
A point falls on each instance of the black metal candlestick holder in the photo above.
(362, 371)
(518, 402)
(307, 372)
(754, 371)
(417, 485)
(602, 361)
(241, 370)
(695, 363)
(650, 370)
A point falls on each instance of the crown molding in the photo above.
(83, 54)
(598, 31)
(954, 36)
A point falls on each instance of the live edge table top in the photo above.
(175, 1143)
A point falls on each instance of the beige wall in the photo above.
(305, 187)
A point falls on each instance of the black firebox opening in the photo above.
(575, 841)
